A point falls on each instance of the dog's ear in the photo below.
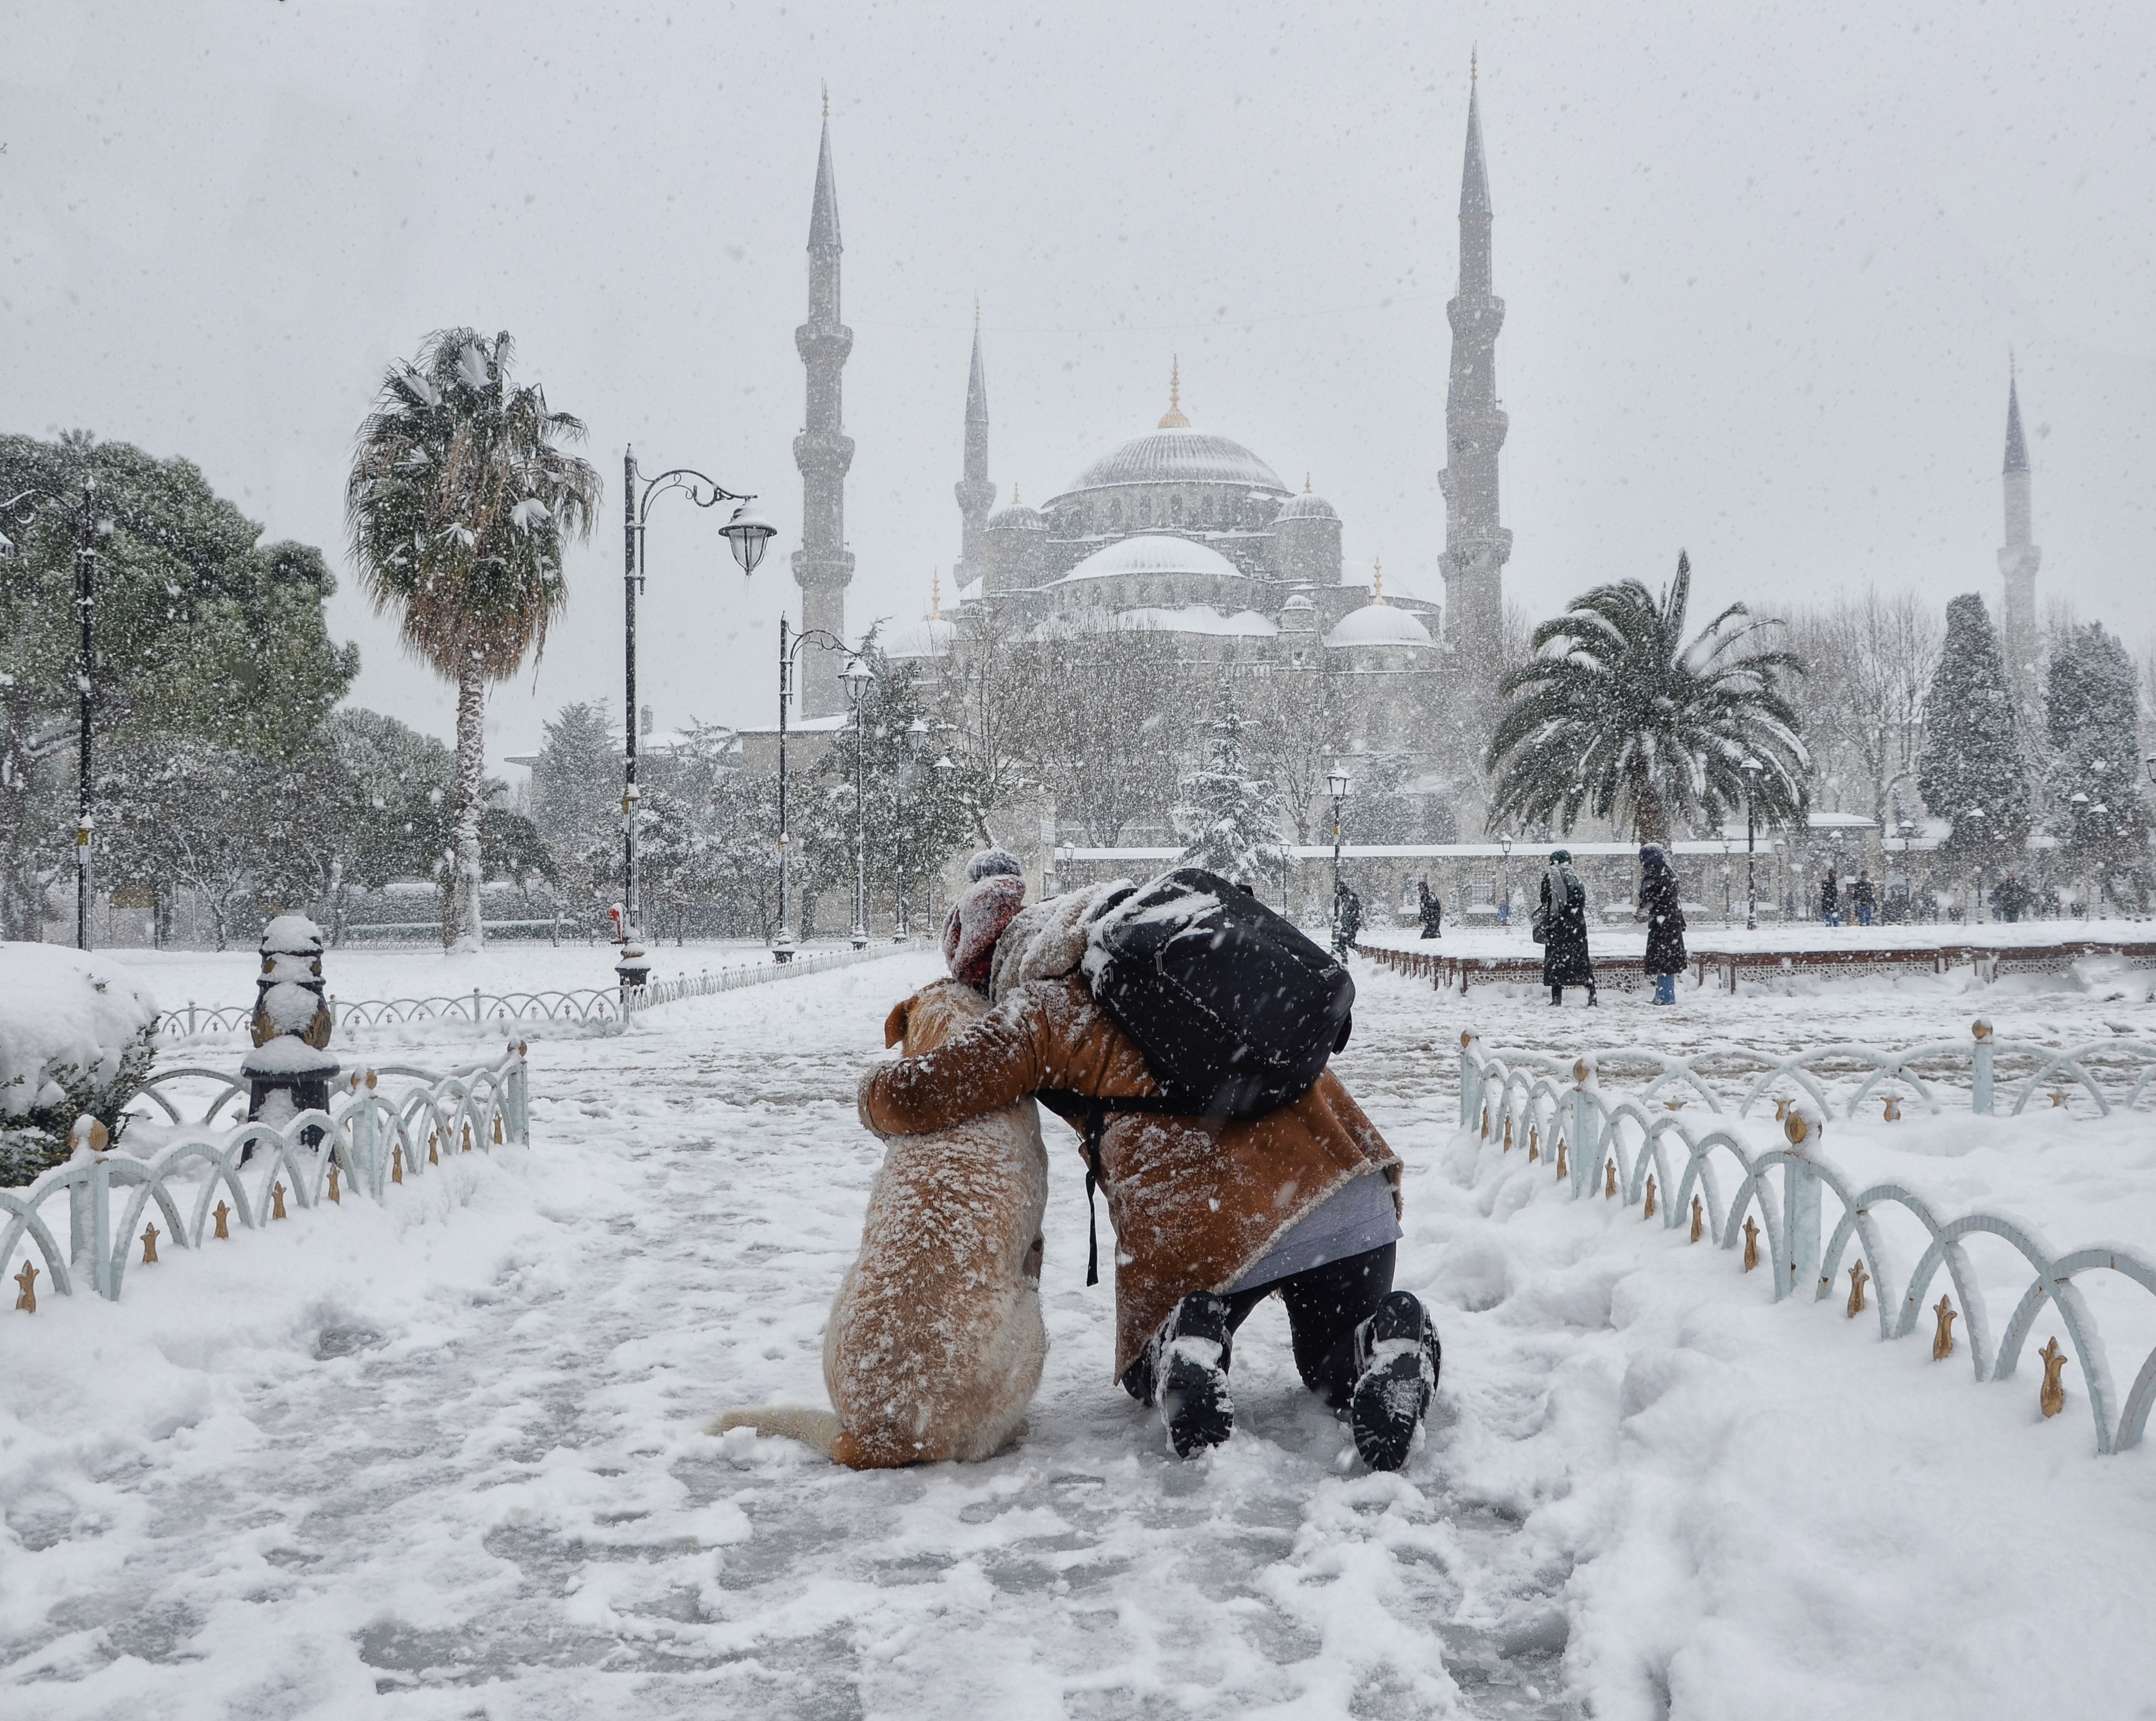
(894, 1025)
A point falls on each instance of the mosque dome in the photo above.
(1152, 554)
(1378, 623)
(1017, 518)
(1162, 456)
(931, 636)
(1305, 507)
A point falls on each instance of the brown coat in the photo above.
(1194, 1203)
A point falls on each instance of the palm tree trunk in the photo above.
(460, 927)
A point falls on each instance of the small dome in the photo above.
(1017, 518)
(1305, 507)
(1378, 624)
(1300, 601)
(931, 636)
(1153, 554)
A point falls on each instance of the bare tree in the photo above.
(1109, 710)
(1871, 660)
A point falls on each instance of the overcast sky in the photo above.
(1761, 275)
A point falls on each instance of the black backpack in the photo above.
(1235, 1010)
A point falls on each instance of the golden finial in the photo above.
(1474, 53)
(976, 313)
(222, 1213)
(1942, 1342)
(935, 594)
(1698, 1220)
(1751, 1242)
(1561, 1168)
(26, 1288)
(335, 1199)
(827, 103)
(149, 1235)
(1649, 1212)
(1306, 483)
(2051, 1397)
(1609, 1179)
(277, 1200)
(2010, 364)
(1172, 418)
(1376, 579)
(1014, 494)
(1857, 1276)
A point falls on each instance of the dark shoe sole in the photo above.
(1194, 1400)
(1386, 1408)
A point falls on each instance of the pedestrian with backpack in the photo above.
(1187, 1043)
(1560, 927)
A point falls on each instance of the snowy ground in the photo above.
(1617, 940)
(445, 1459)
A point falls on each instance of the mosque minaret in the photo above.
(823, 566)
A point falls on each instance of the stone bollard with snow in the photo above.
(289, 1070)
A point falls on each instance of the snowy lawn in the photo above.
(445, 1458)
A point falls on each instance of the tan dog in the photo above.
(936, 1344)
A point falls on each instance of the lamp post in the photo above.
(22, 511)
(748, 534)
(1726, 841)
(1504, 881)
(946, 773)
(1337, 784)
(857, 675)
(1066, 862)
(790, 648)
(1752, 769)
(911, 777)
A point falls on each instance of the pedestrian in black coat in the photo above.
(1666, 921)
(1430, 908)
(1347, 918)
(1561, 922)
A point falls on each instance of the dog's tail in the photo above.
(786, 1422)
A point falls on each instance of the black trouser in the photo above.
(1325, 1305)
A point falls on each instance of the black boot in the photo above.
(1556, 995)
(1189, 1368)
(1397, 1355)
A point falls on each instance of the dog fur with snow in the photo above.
(935, 1344)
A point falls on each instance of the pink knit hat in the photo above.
(977, 921)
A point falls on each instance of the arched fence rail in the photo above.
(1616, 1142)
(1448, 972)
(368, 1139)
(608, 1008)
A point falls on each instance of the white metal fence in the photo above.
(607, 1008)
(1637, 1145)
(369, 1139)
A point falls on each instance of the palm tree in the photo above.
(460, 501)
(1630, 723)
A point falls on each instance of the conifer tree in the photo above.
(1229, 822)
(1971, 772)
(2092, 711)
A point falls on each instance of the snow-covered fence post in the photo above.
(289, 1071)
(1979, 1094)
(1470, 1079)
(1800, 1198)
(1586, 1126)
(366, 1140)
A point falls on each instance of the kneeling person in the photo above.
(1210, 1217)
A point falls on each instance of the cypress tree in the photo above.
(2092, 718)
(1229, 822)
(1972, 772)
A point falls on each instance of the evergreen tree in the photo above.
(2092, 711)
(1971, 772)
(1379, 809)
(1229, 822)
(207, 639)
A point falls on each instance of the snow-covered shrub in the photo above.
(74, 1038)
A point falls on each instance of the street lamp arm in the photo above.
(22, 508)
(826, 640)
(693, 483)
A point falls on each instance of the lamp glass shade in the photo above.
(1336, 783)
(750, 535)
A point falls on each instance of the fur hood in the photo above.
(1047, 939)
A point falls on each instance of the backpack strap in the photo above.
(1091, 1112)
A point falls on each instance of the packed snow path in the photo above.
(453, 1458)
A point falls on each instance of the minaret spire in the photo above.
(1476, 544)
(2017, 558)
(1172, 418)
(975, 492)
(823, 566)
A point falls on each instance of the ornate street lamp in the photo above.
(1751, 768)
(1337, 785)
(789, 649)
(20, 511)
(748, 534)
(857, 677)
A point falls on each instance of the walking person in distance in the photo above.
(1666, 921)
(1560, 924)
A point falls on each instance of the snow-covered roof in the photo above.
(1199, 618)
(1153, 554)
(1162, 456)
(931, 636)
(1378, 624)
